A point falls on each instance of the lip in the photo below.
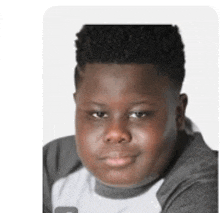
(119, 161)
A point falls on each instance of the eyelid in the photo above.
(144, 113)
(133, 114)
(95, 114)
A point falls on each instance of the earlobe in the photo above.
(74, 97)
(180, 112)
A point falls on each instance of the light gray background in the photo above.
(199, 30)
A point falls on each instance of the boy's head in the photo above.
(128, 106)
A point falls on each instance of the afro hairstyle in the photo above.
(160, 45)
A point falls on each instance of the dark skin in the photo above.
(127, 120)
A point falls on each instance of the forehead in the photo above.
(123, 79)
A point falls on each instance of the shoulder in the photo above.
(60, 142)
(191, 184)
(59, 160)
(60, 156)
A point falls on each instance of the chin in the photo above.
(129, 183)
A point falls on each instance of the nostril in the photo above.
(118, 136)
(120, 140)
(114, 140)
(123, 140)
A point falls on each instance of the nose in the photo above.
(117, 132)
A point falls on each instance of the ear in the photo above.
(74, 97)
(180, 111)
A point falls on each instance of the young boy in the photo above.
(133, 151)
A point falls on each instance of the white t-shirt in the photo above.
(78, 190)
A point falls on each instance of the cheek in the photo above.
(87, 140)
(149, 140)
(157, 139)
(87, 132)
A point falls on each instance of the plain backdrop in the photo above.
(21, 66)
(198, 27)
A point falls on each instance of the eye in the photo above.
(99, 114)
(139, 114)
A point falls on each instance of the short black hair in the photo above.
(160, 45)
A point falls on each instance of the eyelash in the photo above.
(95, 114)
(139, 114)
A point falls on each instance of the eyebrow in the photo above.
(143, 102)
(95, 103)
(132, 103)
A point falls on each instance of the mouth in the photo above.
(115, 159)
(119, 162)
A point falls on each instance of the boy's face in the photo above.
(126, 123)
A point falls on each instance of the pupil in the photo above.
(139, 114)
(100, 114)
